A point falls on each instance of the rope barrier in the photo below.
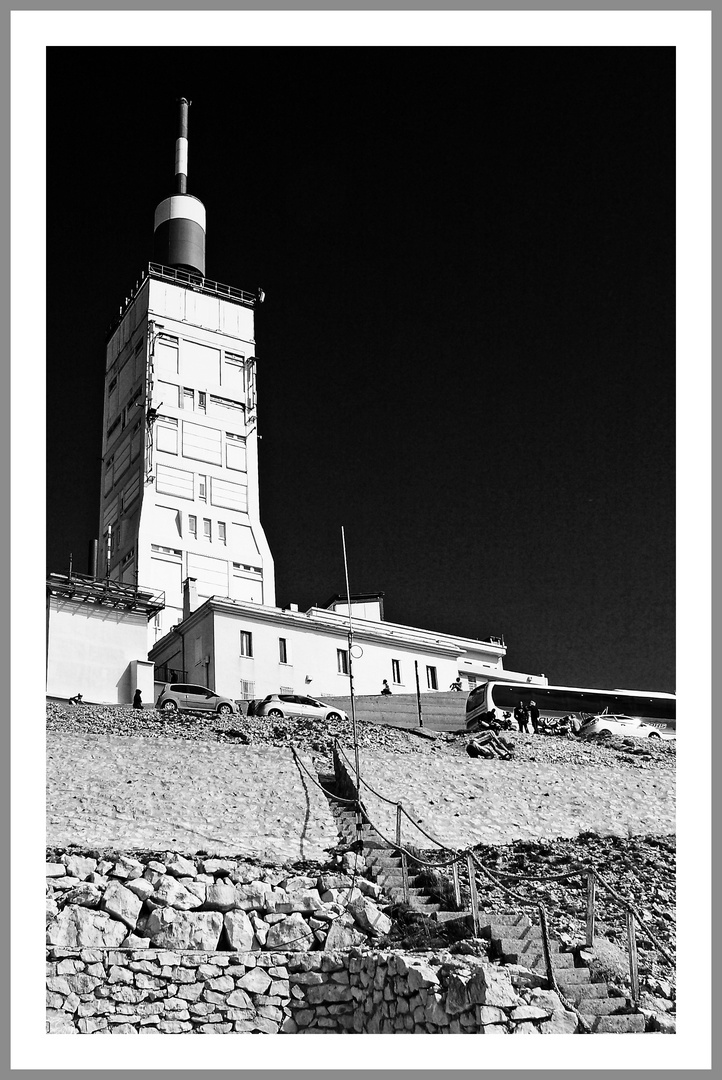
(458, 856)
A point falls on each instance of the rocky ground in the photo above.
(317, 737)
(640, 867)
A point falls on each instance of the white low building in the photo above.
(246, 650)
(97, 639)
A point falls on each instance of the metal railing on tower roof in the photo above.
(187, 279)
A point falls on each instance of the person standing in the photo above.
(534, 716)
(522, 717)
(137, 700)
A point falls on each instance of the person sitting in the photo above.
(386, 689)
(488, 745)
(456, 685)
(77, 700)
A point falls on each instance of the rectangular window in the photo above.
(203, 488)
(202, 400)
(431, 680)
(187, 398)
(342, 661)
(282, 651)
(206, 528)
(235, 451)
(192, 525)
(114, 426)
(246, 643)
(166, 434)
(222, 531)
(248, 688)
(395, 671)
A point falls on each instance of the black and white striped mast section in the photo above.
(350, 680)
(180, 220)
(181, 148)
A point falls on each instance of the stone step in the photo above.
(575, 975)
(576, 992)
(523, 933)
(602, 1006)
(382, 861)
(560, 962)
(504, 918)
(452, 916)
(629, 1024)
(520, 947)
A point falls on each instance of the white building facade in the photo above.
(180, 448)
(247, 650)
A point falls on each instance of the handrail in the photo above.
(457, 856)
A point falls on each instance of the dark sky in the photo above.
(466, 352)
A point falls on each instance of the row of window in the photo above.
(342, 661)
(200, 443)
(207, 532)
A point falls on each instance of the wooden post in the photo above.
(591, 890)
(404, 865)
(632, 941)
(418, 693)
(474, 898)
(457, 887)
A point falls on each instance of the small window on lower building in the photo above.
(192, 525)
(202, 488)
(396, 671)
(246, 643)
(206, 528)
(282, 651)
(431, 680)
(342, 661)
(222, 531)
(202, 400)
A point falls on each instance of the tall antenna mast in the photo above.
(350, 680)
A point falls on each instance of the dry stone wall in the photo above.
(126, 992)
(169, 901)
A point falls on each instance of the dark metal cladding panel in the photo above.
(180, 242)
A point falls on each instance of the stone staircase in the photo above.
(516, 940)
(513, 937)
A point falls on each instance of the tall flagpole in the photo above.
(350, 680)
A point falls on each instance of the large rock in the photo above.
(177, 866)
(79, 866)
(85, 895)
(491, 986)
(239, 930)
(369, 917)
(291, 934)
(59, 1023)
(81, 926)
(341, 937)
(122, 904)
(561, 1022)
(421, 977)
(256, 981)
(141, 887)
(170, 893)
(221, 897)
(258, 896)
(172, 929)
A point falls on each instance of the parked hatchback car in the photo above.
(186, 697)
(618, 724)
(276, 706)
